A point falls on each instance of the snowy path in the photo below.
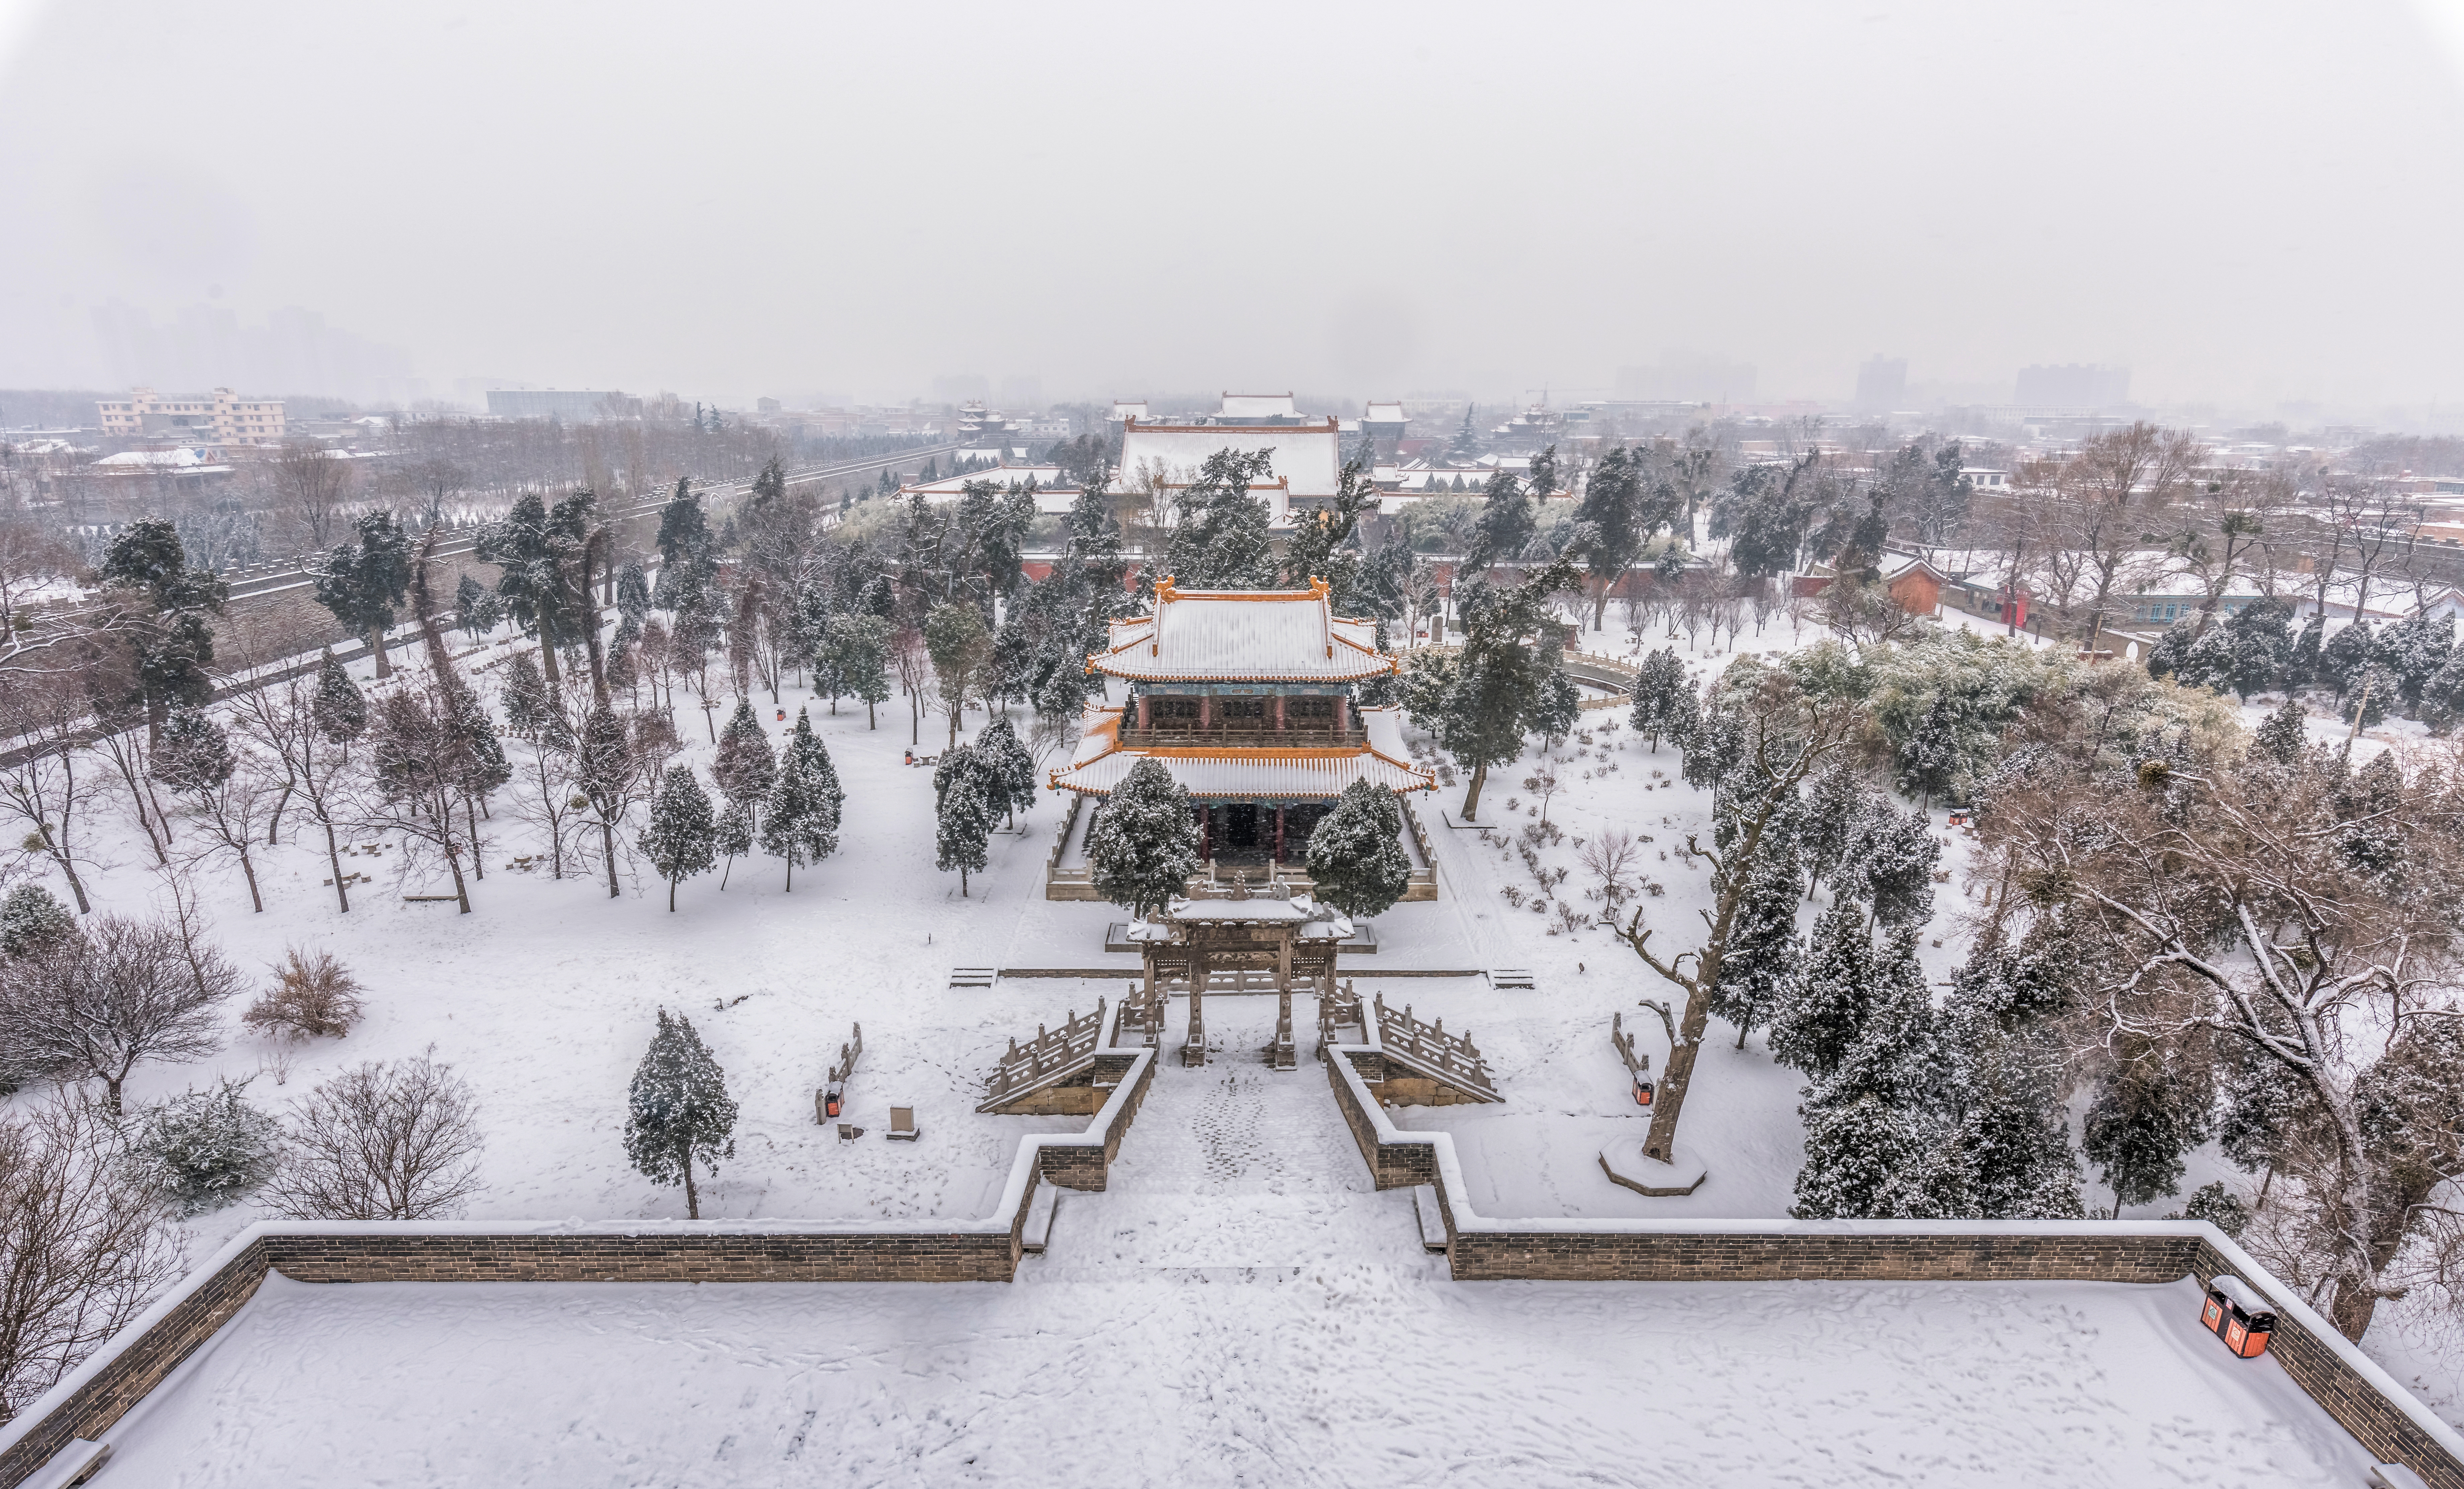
(1233, 1170)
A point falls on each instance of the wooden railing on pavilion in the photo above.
(1244, 736)
(1052, 1055)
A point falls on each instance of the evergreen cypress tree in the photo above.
(963, 787)
(1355, 852)
(1219, 539)
(803, 812)
(602, 770)
(1826, 1010)
(1664, 701)
(1834, 805)
(1759, 974)
(681, 840)
(1011, 769)
(1143, 846)
(2282, 739)
(2008, 1153)
(31, 919)
(1871, 1133)
(195, 754)
(1503, 684)
(525, 697)
(1504, 530)
(1892, 858)
(732, 835)
(744, 767)
(363, 580)
(338, 709)
(853, 660)
(679, 1112)
(1929, 760)
(2148, 1112)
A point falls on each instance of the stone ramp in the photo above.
(1236, 1172)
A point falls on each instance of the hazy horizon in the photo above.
(2247, 207)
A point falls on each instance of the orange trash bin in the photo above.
(2238, 1316)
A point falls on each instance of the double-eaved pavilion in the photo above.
(1250, 699)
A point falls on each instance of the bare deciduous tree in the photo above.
(84, 1243)
(39, 783)
(309, 485)
(383, 1141)
(96, 1006)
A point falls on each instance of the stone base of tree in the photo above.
(1649, 1175)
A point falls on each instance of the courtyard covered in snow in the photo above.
(1239, 1308)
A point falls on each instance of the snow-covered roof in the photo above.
(1383, 413)
(1308, 456)
(1258, 406)
(1127, 408)
(1054, 494)
(1238, 775)
(1273, 635)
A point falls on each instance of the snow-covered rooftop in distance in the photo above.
(1383, 413)
(1129, 408)
(1306, 456)
(1330, 1351)
(1055, 491)
(1280, 635)
(1257, 405)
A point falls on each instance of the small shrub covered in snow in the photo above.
(314, 997)
(30, 919)
(207, 1148)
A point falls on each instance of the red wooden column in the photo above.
(1342, 714)
(1279, 834)
(1206, 834)
(1205, 710)
(1142, 712)
(1278, 715)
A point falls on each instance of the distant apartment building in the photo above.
(221, 417)
(566, 406)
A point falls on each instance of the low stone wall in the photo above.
(2323, 1365)
(1086, 1162)
(2362, 1398)
(116, 1377)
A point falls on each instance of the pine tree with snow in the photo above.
(1892, 858)
(1930, 758)
(853, 661)
(1812, 1029)
(482, 766)
(30, 920)
(208, 1150)
(338, 709)
(1009, 767)
(802, 820)
(1834, 804)
(1219, 539)
(528, 705)
(1871, 1133)
(679, 1111)
(2414, 649)
(2148, 1112)
(2345, 658)
(963, 787)
(744, 767)
(2282, 739)
(732, 835)
(2367, 702)
(603, 771)
(195, 754)
(1143, 845)
(1759, 975)
(681, 840)
(1664, 701)
(2009, 1154)
(1355, 852)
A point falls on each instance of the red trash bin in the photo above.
(2238, 1315)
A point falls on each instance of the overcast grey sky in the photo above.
(2244, 201)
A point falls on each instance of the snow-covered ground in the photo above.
(544, 999)
(1239, 1308)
